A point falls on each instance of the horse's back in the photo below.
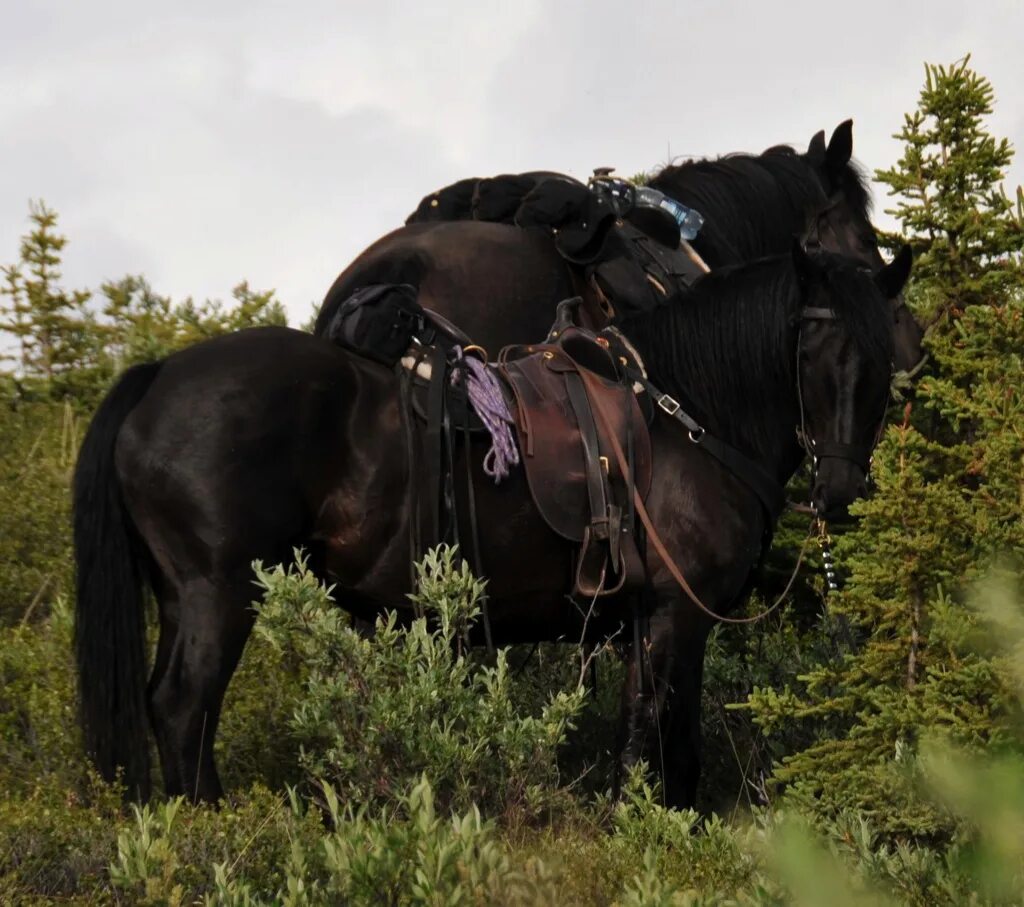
(498, 283)
(232, 442)
(235, 385)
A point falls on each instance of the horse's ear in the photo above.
(806, 267)
(891, 279)
(816, 149)
(840, 148)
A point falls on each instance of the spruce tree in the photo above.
(52, 326)
(68, 348)
(966, 233)
(949, 500)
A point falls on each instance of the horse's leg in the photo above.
(661, 710)
(682, 766)
(644, 693)
(203, 629)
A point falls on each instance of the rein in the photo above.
(768, 490)
(655, 539)
(859, 455)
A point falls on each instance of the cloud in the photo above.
(204, 144)
(212, 179)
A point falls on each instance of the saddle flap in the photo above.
(552, 444)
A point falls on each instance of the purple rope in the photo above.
(487, 400)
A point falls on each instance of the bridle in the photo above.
(766, 488)
(817, 450)
(901, 379)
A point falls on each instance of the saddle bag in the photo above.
(379, 322)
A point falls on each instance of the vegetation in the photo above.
(863, 747)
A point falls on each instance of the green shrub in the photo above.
(176, 853)
(374, 714)
(38, 441)
(56, 841)
(39, 739)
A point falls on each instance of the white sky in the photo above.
(202, 143)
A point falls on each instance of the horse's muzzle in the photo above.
(837, 484)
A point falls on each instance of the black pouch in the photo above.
(379, 322)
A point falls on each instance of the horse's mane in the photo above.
(852, 181)
(744, 198)
(855, 187)
(727, 348)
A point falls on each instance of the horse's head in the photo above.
(844, 226)
(844, 366)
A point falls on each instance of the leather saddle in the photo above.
(630, 254)
(574, 479)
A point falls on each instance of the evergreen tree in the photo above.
(53, 327)
(142, 325)
(966, 233)
(949, 502)
(14, 315)
(68, 348)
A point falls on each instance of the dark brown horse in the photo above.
(500, 283)
(244, 446)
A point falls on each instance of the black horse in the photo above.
(244, 446)
(500, 283)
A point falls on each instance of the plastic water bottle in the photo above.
(689, 220)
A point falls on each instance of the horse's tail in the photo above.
(109, 609)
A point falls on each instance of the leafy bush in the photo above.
(56, 841)
(39, 738)
(374, 714)
(38, 442)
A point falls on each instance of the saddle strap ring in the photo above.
(474, 348)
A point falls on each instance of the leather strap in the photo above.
(659, 546)
(474, 532)
(757, 478)
(451, 513)
(604, 534)
(860, 454)
(597, 490)
(412, 484)
(434, 452)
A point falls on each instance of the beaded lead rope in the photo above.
(827, 560)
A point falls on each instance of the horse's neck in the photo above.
(759, 421)
(776, 450)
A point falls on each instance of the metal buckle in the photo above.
(668, 404)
